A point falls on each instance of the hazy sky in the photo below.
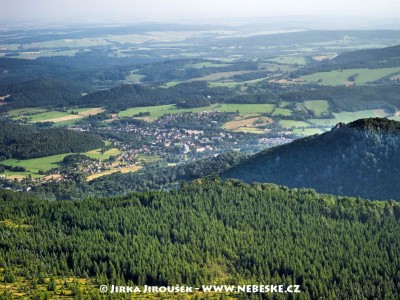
(184, 10)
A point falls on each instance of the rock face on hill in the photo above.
(361, 158)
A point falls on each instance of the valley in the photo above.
(166, 154)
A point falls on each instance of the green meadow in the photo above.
(317, 106)
(282, 112)
(307, 131)
(207, 64)
(33, 166)
(347, 117)
(106, 155)
(293, 124)
(339, 77)
(290, 60)
(158, 111)
(34, 115)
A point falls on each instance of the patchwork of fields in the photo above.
(33, 166)
(36, 115)
(350, 76)
(254, 117)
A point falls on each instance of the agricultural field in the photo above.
(207, 64)
(160, 110)
(346, 117)
(114, 170)
(171, 84)
(234, 84)
(360, 76)
(25, 112)
(300, 132)
(220, 75)
(290, 60)
(33, 165)
(293, 124)
(40, 115)
(248, 124)
(97, 154)
(319, 107)
(282, 112)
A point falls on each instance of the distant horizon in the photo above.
(334, 13)
(309, 22)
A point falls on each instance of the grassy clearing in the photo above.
(171, 84)
(48, 115)
(249, 130)
(106, 155)
(41, 115)
(134, 77)
(68, 123)
(293, 124)
(220, 75)
(282, 112)
(361, 76)
(46, 163)
(234, 84)
(25, 111)
(290, 60)
(158, 111)
(347, 117)
(275, 67)
(147, 158)
(319, 107)
(307, 131)
(34, 165)
(207, 64)
(249, 123)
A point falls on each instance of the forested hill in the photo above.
(192, 94)
(208, 232)
(358, 159)
(23, 141)
(40, 92)
(369, 58)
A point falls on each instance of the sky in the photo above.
(186, 10)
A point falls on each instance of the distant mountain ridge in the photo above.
(357, 159)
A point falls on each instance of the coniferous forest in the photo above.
(210, 231)
(223, 153)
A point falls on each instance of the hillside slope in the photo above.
(41, 92)
(358, 159)
(207, 232)
(368, 58)
(24, 141)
